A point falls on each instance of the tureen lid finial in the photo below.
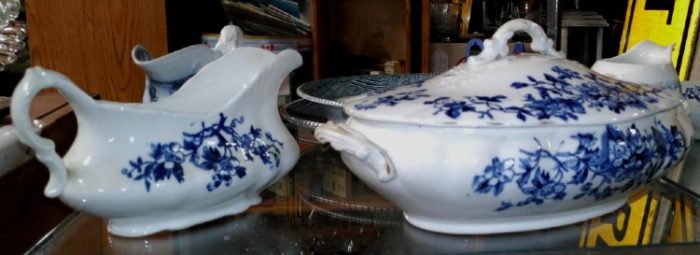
(497, 46)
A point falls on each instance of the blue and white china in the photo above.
(306, 114)
(204, 152)
(166, 74)
(507, 143)
(331, 91)
(691, 94)
(645, 63)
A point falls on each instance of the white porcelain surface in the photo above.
(511, 143)
(204, 152)
(645, 63)
(166, 74)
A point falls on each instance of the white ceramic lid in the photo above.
(494, 89)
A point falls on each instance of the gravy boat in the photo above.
(204, 152)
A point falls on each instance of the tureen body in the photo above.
(511, 143)
(204, 152)
(691, 93)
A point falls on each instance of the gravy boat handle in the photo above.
(343, 138)
(35, 80)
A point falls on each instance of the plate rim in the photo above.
(299, 122)
(337, 102)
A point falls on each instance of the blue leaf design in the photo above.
(519, 85)
(601, 165)
(562, 94)
(240, 171)
(167, 159)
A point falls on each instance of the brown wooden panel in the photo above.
(90, 41)
(366, 30)
(407, 32)
(318, 27)
(425, 36)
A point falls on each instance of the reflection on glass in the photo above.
(12, 32)
(314, 220)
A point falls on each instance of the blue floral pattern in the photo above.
(615, 161)
(691, 93)
(562, 94)
(392, 100)
(218, 148)
(330, 91)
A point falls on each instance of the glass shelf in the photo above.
(321, 208)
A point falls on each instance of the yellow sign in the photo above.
(682, 227)
(635, 223)
(632, 226)
(664, 22)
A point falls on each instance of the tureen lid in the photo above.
(497, 89)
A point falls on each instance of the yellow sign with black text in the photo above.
(632, 226)
(664, 22)
(635, 223)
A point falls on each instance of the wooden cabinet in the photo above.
(90, 41)
(351, 36)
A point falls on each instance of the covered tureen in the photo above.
(509, 143)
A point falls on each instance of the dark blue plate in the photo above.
(329, 91)
(307, 114)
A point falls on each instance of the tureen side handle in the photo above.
(35, 80)
(497, 46)
(345, 139)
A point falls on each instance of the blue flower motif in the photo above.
(224, 167)
(452, 108)
(486, 105)
(166, 162)
(392, 100)
(691, 92)
(564, 109)
(561, 94)
(619, 152)
(543, 187)
(601, 165)
(566, 74)
(220, 155)
(495, 176)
